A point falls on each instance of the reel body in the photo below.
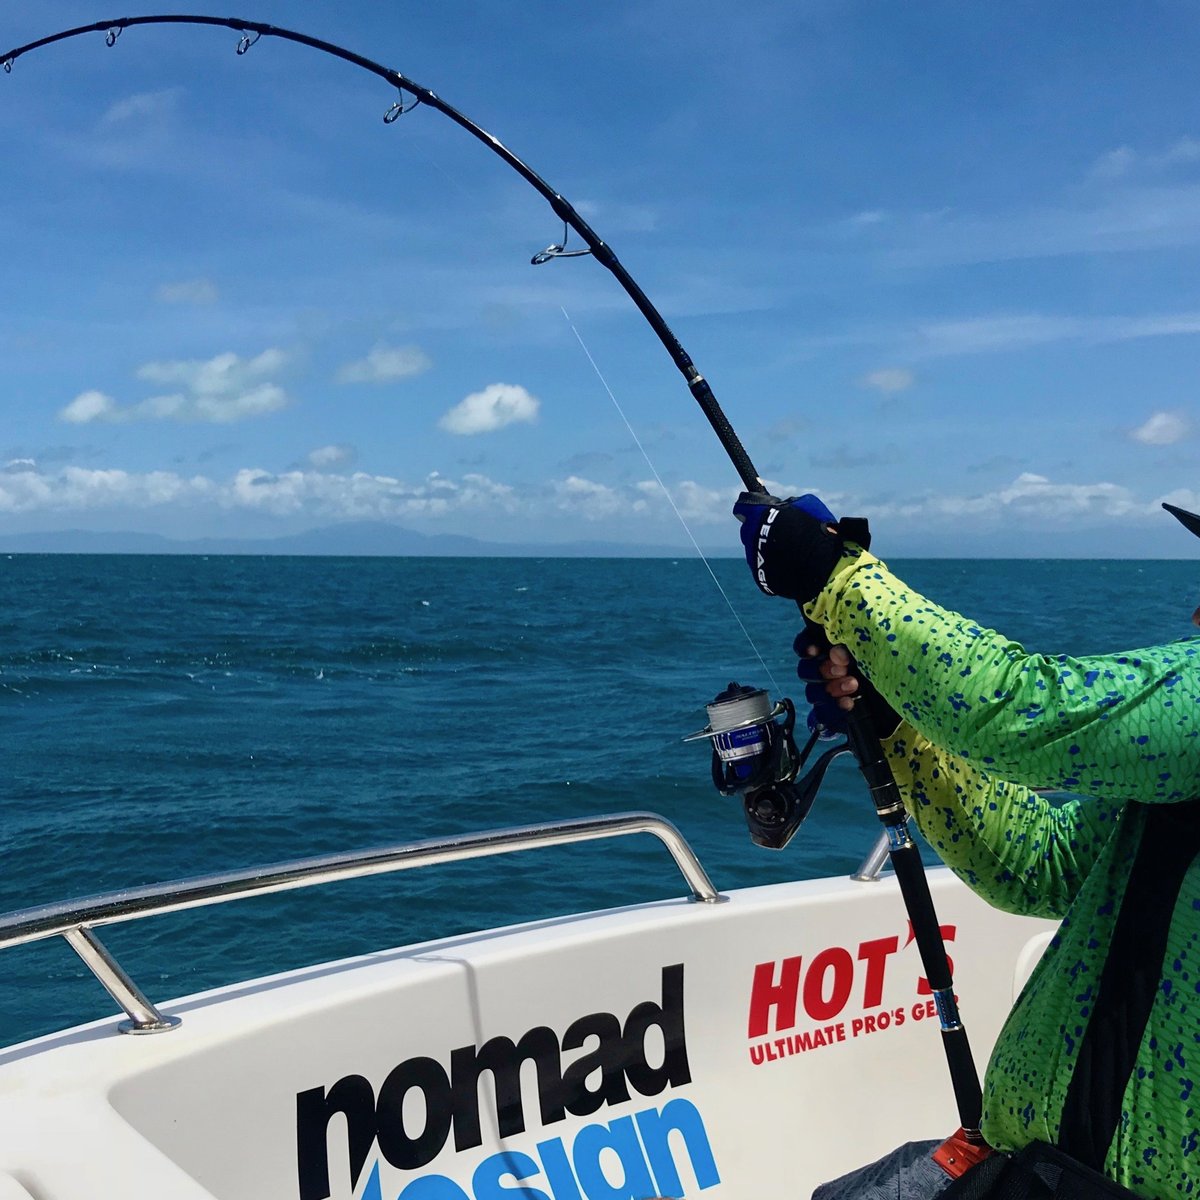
(755, 757)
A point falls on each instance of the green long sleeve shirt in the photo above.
(984, 723)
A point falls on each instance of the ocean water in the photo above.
(171, 716)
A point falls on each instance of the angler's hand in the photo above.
(833, 684)
(791, 545)
(840, 685)
(825, 715)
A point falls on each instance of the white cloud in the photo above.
(1029, 497)
(699, 503)
(978, 335)
(594, 501)
(315, 494)
(1186, 150)
(220, 376)
(76, 489)
(628, 218)
(590, 500)
(88, 406)
(1112, 164)
(218, 391)
(142, 106)
(1182, 498)
(1162, 429)
(975, 335)
(937, 337)
(498, 405)
(188, 291)
(385, 363)
(321, 495)
(1124, 160)
(889, 380)
(695, 503)
(360, 496)
(331, 456)
(1036, 493)
(1151, 214)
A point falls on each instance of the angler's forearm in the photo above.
(1124, 726)
(1018, 850)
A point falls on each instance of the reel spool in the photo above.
(755, 756)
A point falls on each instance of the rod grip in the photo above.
(914, 888)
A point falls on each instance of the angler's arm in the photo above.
(1018, 850)
(1123, 726)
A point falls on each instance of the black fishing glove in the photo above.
(826, 716)
(791, 545)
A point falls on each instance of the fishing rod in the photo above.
(251, 31)
(765, 761)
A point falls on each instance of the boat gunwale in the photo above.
(22, 926)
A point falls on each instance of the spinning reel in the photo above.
(755, 756)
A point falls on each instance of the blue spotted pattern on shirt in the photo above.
(985, 722)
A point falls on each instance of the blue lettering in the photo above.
(433, 1187)
(683, 1117)
(557, 1166)
(638, 1147)
(371, 1187)
(621, 1138)
(485, 1183)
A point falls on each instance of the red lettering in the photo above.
(817, 1004)
(948, 934)
(828, 983)
(875, 954)
(768, 994)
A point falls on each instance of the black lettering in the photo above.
(354, 1098)
(608, 1057)
(397, 1146)
(668, 1016)
(619, 1056)
(504, 1058)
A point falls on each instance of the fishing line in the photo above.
(670, 499)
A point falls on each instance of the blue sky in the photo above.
(939, 262)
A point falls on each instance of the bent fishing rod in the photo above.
(410, 95)
(776, 804)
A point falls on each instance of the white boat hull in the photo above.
(752, 1047)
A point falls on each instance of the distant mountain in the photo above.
(358, 538)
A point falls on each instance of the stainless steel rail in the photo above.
(75, 920)
(871, 866)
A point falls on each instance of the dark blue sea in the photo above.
(170, 716)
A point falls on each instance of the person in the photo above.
(1100, 1055)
